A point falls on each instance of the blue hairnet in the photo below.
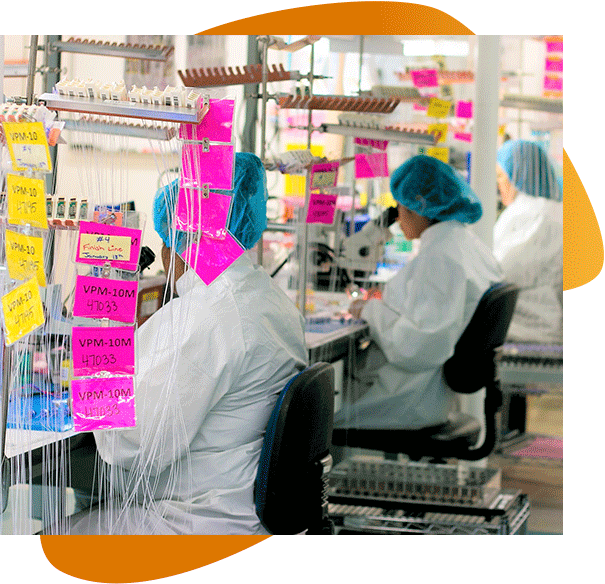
(248, 211)
(434, 190)
(530, 169)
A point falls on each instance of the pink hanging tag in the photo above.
(464, 136)
(211, 257)
(553, 83)
(321, 208)
(194, 212)
(554, 46)
(210, 164)
(111, 240)
(97, 349)
(324, 175)
(105, 298)
(103, 403)
(464, 109)
(371, 165)
(217, 124)
(425, 78)
(554, 64)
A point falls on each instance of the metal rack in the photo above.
(106, 49)
(222, 76)
(539, 104)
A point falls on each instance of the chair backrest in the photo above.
(472, 365)
(289, 484)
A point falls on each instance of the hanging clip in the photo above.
(206, 144)
(205, 190)
(106, 271)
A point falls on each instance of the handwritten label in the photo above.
(209, 258)
(440, 129)
(324, 175)
(26, 201)
(104, 247)
(425, 78)
(439, 108)
(321, 208)
(442, 154)
(371, 165)
(28, 146)
(100, 229)
(96, 349)
(23, 312)
(25, 257)
(103, 403)
(464, 109)
(105, 298)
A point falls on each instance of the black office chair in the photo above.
(473, 366)
(291, 483)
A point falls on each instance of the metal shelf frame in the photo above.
(149, 53)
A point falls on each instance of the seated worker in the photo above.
(425, 307)
(211, 364)
(528, 240)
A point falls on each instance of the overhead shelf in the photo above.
(118, 129)
(222, 76)
(541, 104)
(339, 103)
(107, 49)
(125, 109)
(407, 135)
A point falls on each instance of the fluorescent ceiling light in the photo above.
(428, 48)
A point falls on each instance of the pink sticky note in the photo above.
(371, 165)
(208, 215)
(464, 109)
(103, 403)
(464, 136)
(378, 144)
(321, 208)
(105, 298)
(214, 167)
(425, 78)
(131, 264)
(553, 83)
(217, 124)
(324, 175)
(554, 64)
(211, 257)
(96, 349)
(554, 46)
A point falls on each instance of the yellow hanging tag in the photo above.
(23, 312)
(25, 257)
(28, 146)
(441, 129)
(26, 201)
(440, 153)
(439, 108)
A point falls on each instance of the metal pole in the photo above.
(31, 69)
(1, 68)
(265, 42)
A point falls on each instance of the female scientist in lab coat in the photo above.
(210, 366)
(528, 240)
(425, 307)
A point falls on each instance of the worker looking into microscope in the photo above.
(425, 307)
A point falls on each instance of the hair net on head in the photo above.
(434, 190)
(530, 169)
(248, 211)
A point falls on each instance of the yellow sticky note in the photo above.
(25, 257)
(28, 146)
(23, 312)
(438, 108)
(441, 129)
(104, 247)
(26, 201)
(439, 153)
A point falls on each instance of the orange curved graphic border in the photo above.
(155, 557)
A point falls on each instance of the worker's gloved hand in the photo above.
(356, 308)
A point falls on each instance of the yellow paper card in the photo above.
(23, 312)
(439, 153)
(26, 201)
(441, 129)
(438, 108)
(25, 257)
(28, 146)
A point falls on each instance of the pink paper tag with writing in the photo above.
(425, 78)
(105, 298)
(554, 64)
(321, 208)
(89, 227)
(554, 46)
(554, 83)
(96, 349)
(211, 257)
(103, 403)
(464, 109)
(464, 136)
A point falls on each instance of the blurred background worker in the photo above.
(426, 306)
(212, 362)
(528, 239)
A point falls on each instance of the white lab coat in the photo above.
(425, 308)
(528, 243)
(211, 364)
